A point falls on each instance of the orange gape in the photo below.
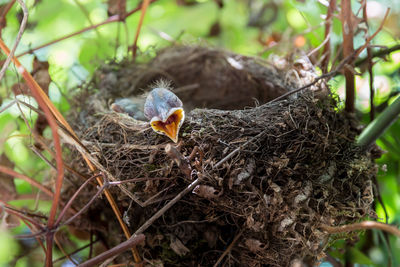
(165, 111)
(171, 126)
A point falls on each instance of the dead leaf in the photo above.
(178, 247)
(205, 191)
(7, 187)
(254, 245)
(116, 7)
(20, 89)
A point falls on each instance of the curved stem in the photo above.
(378, 126)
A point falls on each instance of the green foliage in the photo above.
(73, 60)
(8, 247)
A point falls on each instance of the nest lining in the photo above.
(299, 169)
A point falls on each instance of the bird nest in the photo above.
(268, 177)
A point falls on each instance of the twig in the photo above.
(19, 214)
(33, 228)
(370, 65)
(380, 53)
(31, 181)
(107, 21)
(234, 152)
(361, 226)
(17, 40)
(333, 73)
(72, 140)
(346, 15)
(131, 242)
(229, 248)
(328, 29)
(124, 146)
(189, 188)
(40, 140)
(324, 42)
(87, 205)
(70, 137)
(69, 203)
(369, 39)
(135, 180)
(59, 245)
(159, 213)
(87, 15)
(48, 108)
(76, 251)
(8, 106)
(145, 4)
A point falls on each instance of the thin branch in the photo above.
(135, 180)
(131, 242)
(17, 40)
(324, 42)
(69, 203)
(369, 39)
(338, 68)
(8, 106)
(125, 146)
(59, 245)
(87, 15)
(159, 213)
(44, 103)
(139, 27)
(234, 152)
(31, 181)
(107, 21)
(229, 248)
(76, 251)
(38, 239)
(361, 226)
(379, 53)
(82, 210)
(328, 29)
(370, 65)
(19, 214)
(72, 140)
(346, 15)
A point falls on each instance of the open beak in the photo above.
(171, 126)
(171, 130)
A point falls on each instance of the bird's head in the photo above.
(165, 112)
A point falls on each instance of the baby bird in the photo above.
(165, 111)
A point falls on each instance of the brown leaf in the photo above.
(41, 74)
(7, 187)
(20, 89)
(178, 247)
(254, 245)
(215, 30)
(205, 191)
(3, 11)
(116, 7)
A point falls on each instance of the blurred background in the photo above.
(268, 29)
